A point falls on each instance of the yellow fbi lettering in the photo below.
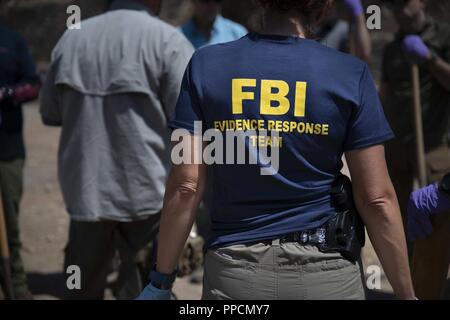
(272, 91)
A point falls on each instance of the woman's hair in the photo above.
(310, 11)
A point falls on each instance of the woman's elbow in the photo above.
(186, 179)
(382, 204)
(188, 187)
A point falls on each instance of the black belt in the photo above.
(306, 237)
(313, 237)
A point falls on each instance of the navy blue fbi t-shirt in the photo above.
(320, 101)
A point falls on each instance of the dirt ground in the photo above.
(44, 221)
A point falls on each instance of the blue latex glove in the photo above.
(355, 7)
(152, 293)
(422, 204)
(415, 47)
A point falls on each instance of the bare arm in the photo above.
(441, 71)
(360, 42)
(377, 203)
(184, 191)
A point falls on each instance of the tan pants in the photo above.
(287, 271)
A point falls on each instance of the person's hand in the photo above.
(354, 7)
(422, 204)
(416, 49)
(150, 292)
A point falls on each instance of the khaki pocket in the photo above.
(333, 280)
(226, 278)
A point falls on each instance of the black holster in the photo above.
(345, 232)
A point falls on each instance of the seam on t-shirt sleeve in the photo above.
(369, 142)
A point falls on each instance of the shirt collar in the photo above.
(217, 23)
(129, 5)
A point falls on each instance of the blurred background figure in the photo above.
(207, 26)
(422, 40)
(345, 29)
(19, 83)
(112, 86)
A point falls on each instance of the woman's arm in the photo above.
(184, 191)
(377, 204)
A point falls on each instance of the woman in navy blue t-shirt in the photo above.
(272, 114)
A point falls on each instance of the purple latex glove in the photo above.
(415, 47)
(354, 6)
(422, 204)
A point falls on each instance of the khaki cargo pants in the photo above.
(285, 271)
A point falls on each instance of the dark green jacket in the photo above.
(398, 105)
